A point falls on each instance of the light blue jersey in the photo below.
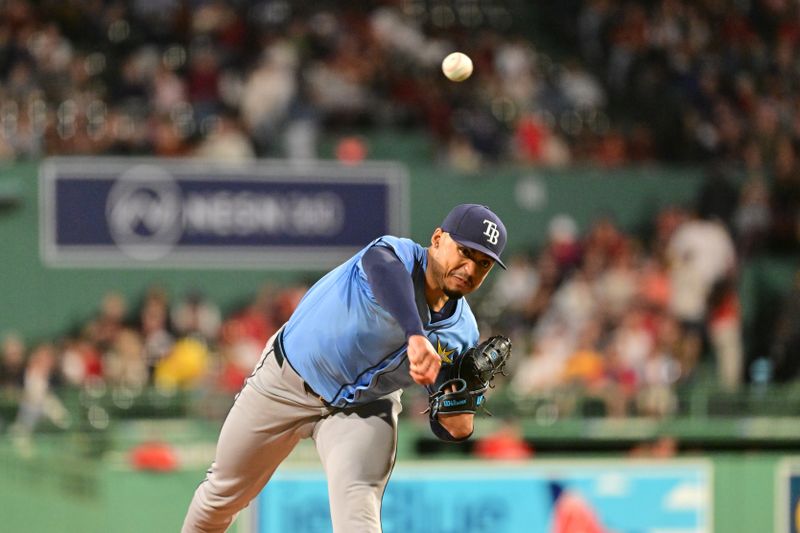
(348, 348)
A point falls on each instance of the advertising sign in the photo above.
(190, 213)
(602, 497)
(788, 497)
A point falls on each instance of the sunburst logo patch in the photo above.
(444, 353)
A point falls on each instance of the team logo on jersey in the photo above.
(492, 232)
(443, 352)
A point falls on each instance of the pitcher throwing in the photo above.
(390, 316)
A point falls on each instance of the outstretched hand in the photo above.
(424, 361)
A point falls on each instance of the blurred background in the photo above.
(174, 174)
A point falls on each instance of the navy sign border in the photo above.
(392, 176)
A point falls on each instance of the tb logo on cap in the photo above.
(491, 232)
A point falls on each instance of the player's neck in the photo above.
(434, 293)
(436, 304)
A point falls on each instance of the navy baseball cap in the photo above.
(477, 227)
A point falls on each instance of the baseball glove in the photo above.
(471, 376)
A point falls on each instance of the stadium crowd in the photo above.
(238, 80)
(163, 343)
(663, 80)
(624, 321)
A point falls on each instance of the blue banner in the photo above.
(788, 497)
(794, 503)
(617, 497)
(133, 212)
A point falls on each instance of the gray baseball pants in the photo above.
(274, 410)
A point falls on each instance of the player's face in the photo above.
(458, 270)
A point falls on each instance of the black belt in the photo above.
(280, 357)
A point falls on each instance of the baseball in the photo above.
(457, 66)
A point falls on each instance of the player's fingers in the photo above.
(433, 361)
(421, 378)
(427, 363)
(427, 368)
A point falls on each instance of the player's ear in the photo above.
(436, 238)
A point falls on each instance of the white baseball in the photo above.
(457, 66)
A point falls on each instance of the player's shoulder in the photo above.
(411, 254)
(393, 241)
(406, 249)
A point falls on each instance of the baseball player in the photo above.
(390, 316)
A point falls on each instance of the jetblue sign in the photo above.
(136, 212)
(530, 497)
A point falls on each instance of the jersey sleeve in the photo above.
(392, 287)
(407, 251)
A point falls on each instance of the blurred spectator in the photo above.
(661, 371)
(725, 332)
(197, 315)
(267, 94)
(622, 383)
(243, 335)
(542, 369)
(154, 328)
(12, 366)
(168, 90)
(234, 366)
(654, 291)
(702, 255)
(563, 243)
(573, 304)
(38, 396)
(225, 140)
(285, 303)
(81, 363)
(183, 367)
(124, 364)
(586, 366)
(203, 80)
(511, 294)
(616, 286)
(505, 443)
(154, 320)
(104, 328)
